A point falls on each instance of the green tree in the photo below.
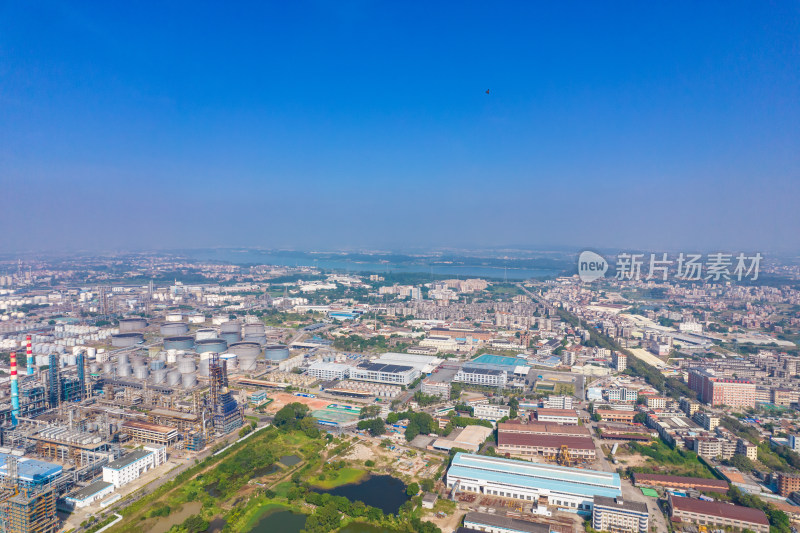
(412, 489)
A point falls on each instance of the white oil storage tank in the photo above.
(181, 342)
(205, 333)
(211, 345)
(126, 325)
(245, 349)
(126, 340)
(173, 378)
(188, 380)
(276, 352)
(174, 329)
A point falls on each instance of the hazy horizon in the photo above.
(367, 126)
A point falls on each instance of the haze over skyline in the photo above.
(367, 125)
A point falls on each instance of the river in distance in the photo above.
(258, 257)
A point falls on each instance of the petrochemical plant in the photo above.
(71, 417)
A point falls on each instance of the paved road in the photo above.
(169, 476)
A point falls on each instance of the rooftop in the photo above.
(30, 470)
(620, 504)
(506, 522)
(384, 367)
(545, 441)
(725, 510)
(129, 459)
(580, 481)
(89, 490)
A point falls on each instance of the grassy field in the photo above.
(337, 478)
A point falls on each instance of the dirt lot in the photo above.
(282, 399)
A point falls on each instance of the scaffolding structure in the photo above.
(26, 508)
(226, 414)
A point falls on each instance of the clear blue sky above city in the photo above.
(672, 125)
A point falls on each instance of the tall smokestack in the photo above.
(14, 390)
(29, 353)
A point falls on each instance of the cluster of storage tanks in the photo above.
(247, 342)
(184, 357)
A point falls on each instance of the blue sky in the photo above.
(366, 124)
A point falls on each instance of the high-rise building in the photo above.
(715, 390)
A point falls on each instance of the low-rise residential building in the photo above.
(787, 483)
(618, 515)
(708, 421)
(712, 447)
(656, 402)
(491, 412)
(558, 402)
(622, 394)
(436, 388)
(785, 397)
(747, 448)
(699, 512)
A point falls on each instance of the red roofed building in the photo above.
(717, 514)
(530, 444)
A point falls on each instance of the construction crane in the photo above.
(564, 458)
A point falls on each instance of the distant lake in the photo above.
(256, 257)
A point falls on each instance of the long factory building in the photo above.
(560, 486)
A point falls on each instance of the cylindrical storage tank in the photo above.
(173, 329)
(203, 367)
(186, 365)
(126, 340)
(157, 364)
(123, 358)
(230, 359)
(126, 325)
(276, 352)
(172, 357)
(247, 363)
(72, 360)
(260, 339)
(230, 327)
(253, 329)
(141, 372)
(211, 345)
(188, 380)
(91, 352)
(94, 368)
(159, 376)
(174, 317)
(108, 367)
(178, 343)
(173, 378)
(205, 333)
(245, 349)
(230, 337)
(123, 371)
